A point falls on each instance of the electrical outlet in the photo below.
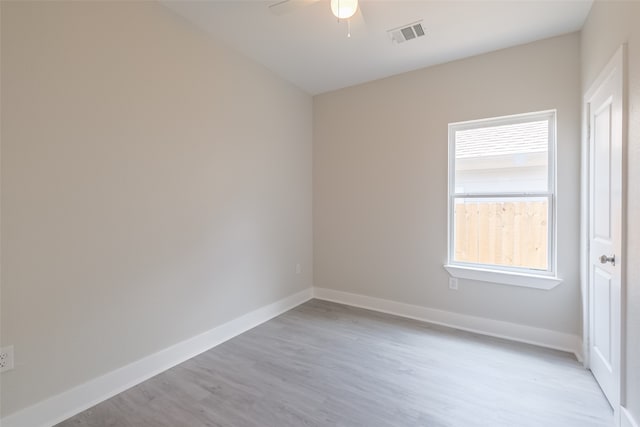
(298, 268)
(6, 358)
(453, 283)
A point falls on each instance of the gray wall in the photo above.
(608, 26)
(380, 181)
(154, 185)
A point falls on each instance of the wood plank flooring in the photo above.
(325, 364)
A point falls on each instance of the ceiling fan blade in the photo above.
(358, 22)
(284, 7)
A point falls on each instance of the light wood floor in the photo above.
(324, 364)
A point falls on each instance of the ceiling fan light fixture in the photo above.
(344, 9)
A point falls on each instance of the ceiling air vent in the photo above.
(406, 32)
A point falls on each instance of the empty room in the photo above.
(320, 213)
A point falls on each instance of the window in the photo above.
(501, 199)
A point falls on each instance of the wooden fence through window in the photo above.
(512, 233)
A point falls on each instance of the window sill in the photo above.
(503, 277)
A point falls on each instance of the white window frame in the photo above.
(518, 276)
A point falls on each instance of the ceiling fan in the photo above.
(343, 10)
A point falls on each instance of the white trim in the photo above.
(626, 419)
(503, 277)
(584, 231)
(495, 328)
(66, 404)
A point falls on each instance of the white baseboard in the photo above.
(626, 419)
(480, 325)
(64, 405)
(579, 351)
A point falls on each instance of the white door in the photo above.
(604, 106)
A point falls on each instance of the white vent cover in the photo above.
(406, 32)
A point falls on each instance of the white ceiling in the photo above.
(309, 48)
